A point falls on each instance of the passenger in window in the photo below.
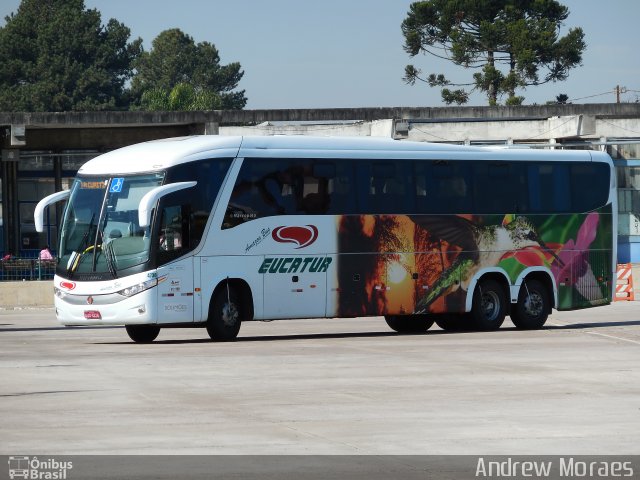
(315, 204)
(171, 236)
(170, 240)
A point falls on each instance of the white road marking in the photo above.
(556, 324)
(615, 337)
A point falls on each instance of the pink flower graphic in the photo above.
(574, 256)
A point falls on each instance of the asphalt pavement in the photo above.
(326, 386)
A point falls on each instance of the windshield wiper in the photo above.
(76, 256)
(109, 256)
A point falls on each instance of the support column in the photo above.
(10, 207)
(57, 182)
(5, 207)
(211, 128)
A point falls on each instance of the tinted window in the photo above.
(183, 215)
(267, 187)
(549, 187)
(589, 186)
(499, 187)
(341, 189)
(451, 187)
(383, 187)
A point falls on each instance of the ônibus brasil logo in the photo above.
(33, 468)
(302, 236)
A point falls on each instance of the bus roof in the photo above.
(160, 154)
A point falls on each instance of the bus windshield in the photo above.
(100, 231)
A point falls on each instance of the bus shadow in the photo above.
(580, 326)
(272, 338)
(346, 335)
(45, 329)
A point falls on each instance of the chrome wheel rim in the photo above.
(533, 304)
(490, 305)
(230, 314)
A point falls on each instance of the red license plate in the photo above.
(92, 315)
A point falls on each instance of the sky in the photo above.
(348, 53)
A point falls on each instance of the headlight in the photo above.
(140, 287)
(59, 293)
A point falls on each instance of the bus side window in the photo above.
(315, 191)
(498, 187)
(341, 189)
(382, 187)
(422, 192)
(451, 187)
(549, 188)
(259, 191)
(593, 178)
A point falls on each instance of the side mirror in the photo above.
(148, 201)
(38, 213)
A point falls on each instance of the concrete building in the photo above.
(41, 152)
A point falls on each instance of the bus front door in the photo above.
(175, 292)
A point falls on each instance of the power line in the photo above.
(592, 96)
(616, 91)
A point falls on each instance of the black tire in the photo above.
(142, 333)
(489, 305)
(409, 323)
(225, 315)
(454, 322)
(533, 306)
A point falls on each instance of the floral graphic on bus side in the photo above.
(398, 264)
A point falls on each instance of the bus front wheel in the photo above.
(489, 305)
(142, 333)
(533, 306)
(225, 315)
(409, 323)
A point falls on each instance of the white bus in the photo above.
(214, 231)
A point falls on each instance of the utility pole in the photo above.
(618, 91)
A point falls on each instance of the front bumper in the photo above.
(112, 309)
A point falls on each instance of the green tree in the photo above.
(182, 97)
(176, 61)
(513, 44)
(55, 55)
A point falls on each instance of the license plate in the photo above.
(92, 315)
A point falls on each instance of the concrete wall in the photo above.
(30, 126)
(534, 130)
(375, 128)
(35, 294)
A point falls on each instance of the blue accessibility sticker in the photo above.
(116, 185)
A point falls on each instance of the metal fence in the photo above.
(18, 268)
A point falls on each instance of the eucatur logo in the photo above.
(302, 236)
(68, 285)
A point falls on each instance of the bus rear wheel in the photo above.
(225, 315)
(489, 305)
(533, 306)
(142, 333)
(409, 323)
